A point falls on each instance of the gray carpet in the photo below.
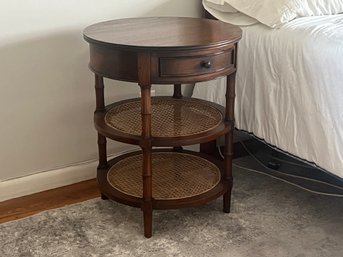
(269, 218)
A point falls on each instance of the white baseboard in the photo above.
(42, 181)
(46, 180)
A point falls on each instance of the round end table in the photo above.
(174, 51)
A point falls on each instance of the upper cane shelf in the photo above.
(174, 121)
(150, 33)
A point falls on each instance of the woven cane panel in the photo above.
(170, 117)
(174, 176)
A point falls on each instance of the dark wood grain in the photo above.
(197, 65)
(162, 32)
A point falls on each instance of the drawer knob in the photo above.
(206, 64)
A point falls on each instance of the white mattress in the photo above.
(290, 88)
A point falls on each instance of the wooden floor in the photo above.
(28, 205)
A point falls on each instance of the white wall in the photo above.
(47, 96)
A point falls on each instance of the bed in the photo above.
(289, 88)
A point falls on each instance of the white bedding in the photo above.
(275, 13)
(290, 88)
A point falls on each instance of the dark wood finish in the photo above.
(114, 50)
(167, 33)
(102, 151)
(195, 65)
(145, 84)
(177, 95)
(55, 198)
(162, 51)
(190, 66)
(104, 197)
(99, 93)
(177, 91)
(209, 147)
(100, 108)
(113, 63)
(228, 151)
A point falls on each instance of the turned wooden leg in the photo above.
(177, 91)
(148, 224)
(102, 157)
(147, 192)
(228, 153)
(104, 197)
(177, 95)
(102, 151)
(178, 149)
(146, 205)
(100, 107)
(209, 147)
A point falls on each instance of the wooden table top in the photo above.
(162, 32)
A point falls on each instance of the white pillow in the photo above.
(274, 13)
(322, 7)
(235, 18)
(219, 5)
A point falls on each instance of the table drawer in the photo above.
(195, 65)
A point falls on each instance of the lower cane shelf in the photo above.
(180, 179)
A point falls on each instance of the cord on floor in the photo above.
(284, 174)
